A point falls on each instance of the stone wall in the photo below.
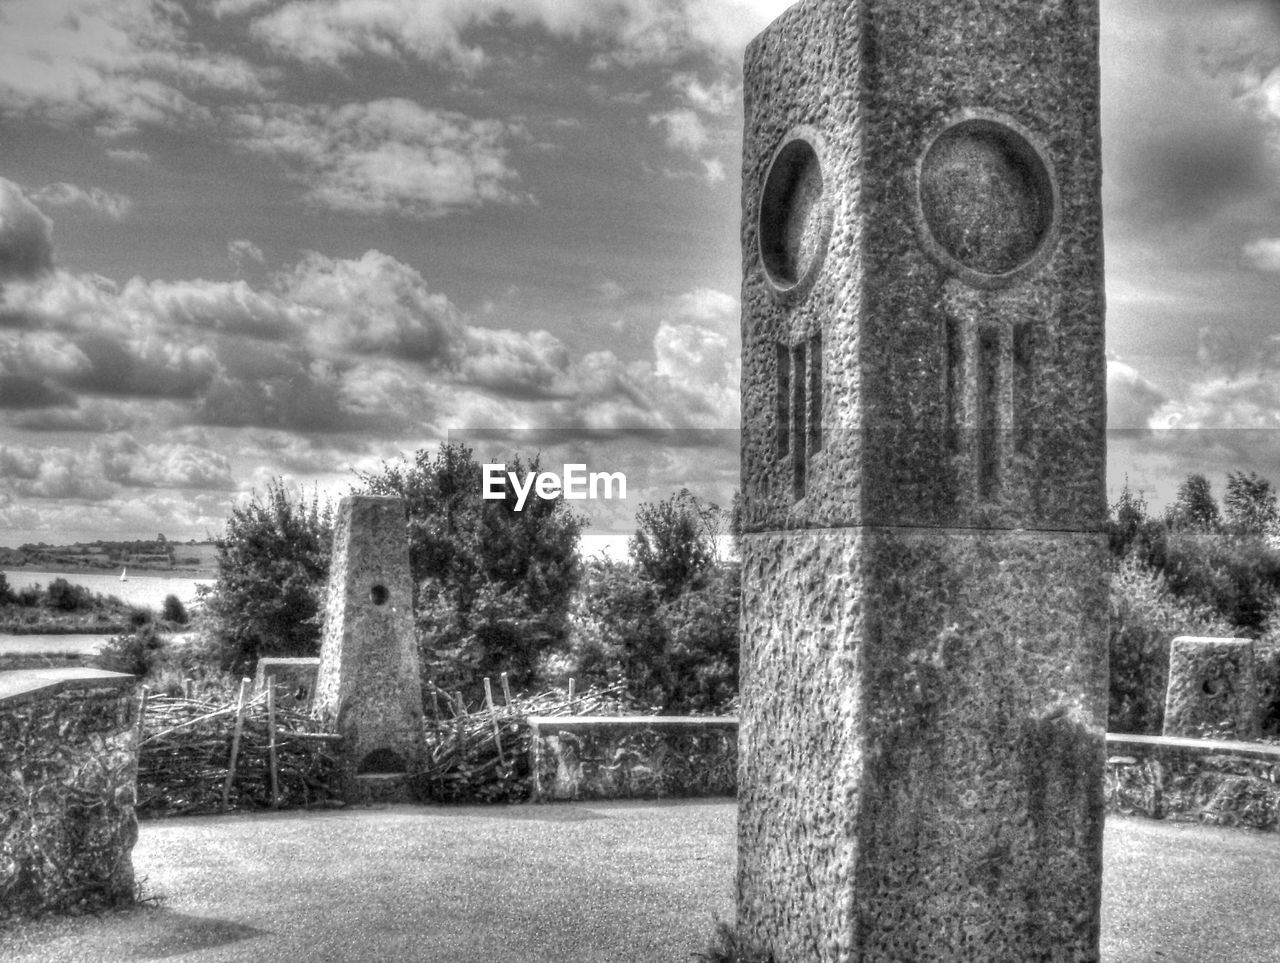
(68, 766)
(636, 757)
(1213, 781)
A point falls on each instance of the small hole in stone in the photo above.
(1213, 687)
(379, 594)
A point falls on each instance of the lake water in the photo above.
(147, 590)
(79, 644)
(144, 590)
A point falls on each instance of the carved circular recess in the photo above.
(987, 199)
(795, 214)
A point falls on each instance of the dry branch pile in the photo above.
(187, 749)
(482, 755)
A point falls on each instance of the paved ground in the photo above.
(604, 883)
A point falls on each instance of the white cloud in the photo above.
(119, 65)
(632, 31)
(62, 194)
(129, 156)
(1264, 253)
(373, 304)
(684, 128)
(1132, 400)
(388, 156)
(26, 235)
(242, 251)
(719, 97)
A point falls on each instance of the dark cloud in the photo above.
(26, 236)
(124, 369)
(23, 392)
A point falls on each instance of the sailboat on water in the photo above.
(124, 574)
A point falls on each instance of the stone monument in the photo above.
(368, 688)
(924, 577)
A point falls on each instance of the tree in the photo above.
(273, 567)
(1193, 507)
(674, 545)
(1250, 503)
(493, 584)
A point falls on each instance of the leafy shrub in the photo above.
(139, 653)
(273, 563)
(677, 656)
(62, 596)
(1145, 618)
(139, 616)
(173, 610)
(28, 597)
(1237, 576)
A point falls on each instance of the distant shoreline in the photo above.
(143, 571)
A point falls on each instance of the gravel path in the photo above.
(573, 883)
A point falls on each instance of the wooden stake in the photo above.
(142, 716)
(571, 695)
(506, 689)
(493, 718)
(271, 741)
(235, 744)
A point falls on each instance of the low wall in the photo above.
(1214, 781)
(632, 757)
(68, 764)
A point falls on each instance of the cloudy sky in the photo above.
(245, 239)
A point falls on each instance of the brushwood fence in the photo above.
(483, 754)
(205, 755)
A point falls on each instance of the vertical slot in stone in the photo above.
(988, 413)
(815, 394)
(783, 401)
(954, 388)
(798, 420)
(1023, 386)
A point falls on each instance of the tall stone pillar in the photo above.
(924, 575)
(368, 686)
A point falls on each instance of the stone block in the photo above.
(1212, 691)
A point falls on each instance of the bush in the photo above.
(273, 564)
(1145, 618)
(140, 653)
(1237, 576)
(174, 611)
(678, 656)
(62, 596)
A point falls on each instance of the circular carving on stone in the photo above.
(378, 595)
(795, 213)
(987, 200)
